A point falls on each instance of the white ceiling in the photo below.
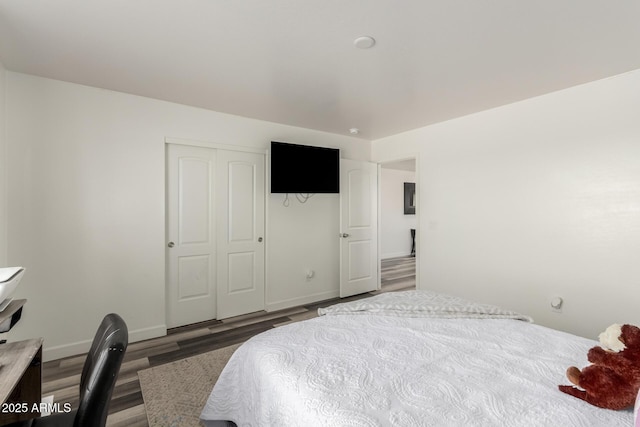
(293, 61)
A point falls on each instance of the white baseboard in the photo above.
(66, 350)
(307, 299)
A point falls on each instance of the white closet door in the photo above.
(191, 232)
(240, 247)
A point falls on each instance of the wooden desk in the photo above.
(20, 380)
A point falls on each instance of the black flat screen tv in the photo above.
(304, 169)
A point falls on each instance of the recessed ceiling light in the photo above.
(364, 42)
(354, 131)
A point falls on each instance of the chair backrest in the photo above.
(100, 371)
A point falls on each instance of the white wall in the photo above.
(309, 231)
(3, 170)
(395, 226)
(535, 199)
(86, 207)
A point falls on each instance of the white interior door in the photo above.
(191, 233)
(359, 227)
(240, 211)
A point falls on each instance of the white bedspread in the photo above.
(375, 369)
(422, 304)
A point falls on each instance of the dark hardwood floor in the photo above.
(61, 377)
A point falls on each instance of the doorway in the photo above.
(398, 223)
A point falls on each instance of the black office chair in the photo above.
(98, 378)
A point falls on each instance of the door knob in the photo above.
(259, 239)
(171, 244)
(345, 235)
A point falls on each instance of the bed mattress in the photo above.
(364, 365)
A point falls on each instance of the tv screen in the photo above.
(304, 169)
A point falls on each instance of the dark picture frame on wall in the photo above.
(409, 198)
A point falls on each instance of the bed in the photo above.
(414, 358)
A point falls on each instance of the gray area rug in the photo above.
(175, 393)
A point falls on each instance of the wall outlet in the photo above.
(310, 275)
(556, 304)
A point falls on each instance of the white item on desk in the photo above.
(9, 279)
(4, 304)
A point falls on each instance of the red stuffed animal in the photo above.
(613, 379)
